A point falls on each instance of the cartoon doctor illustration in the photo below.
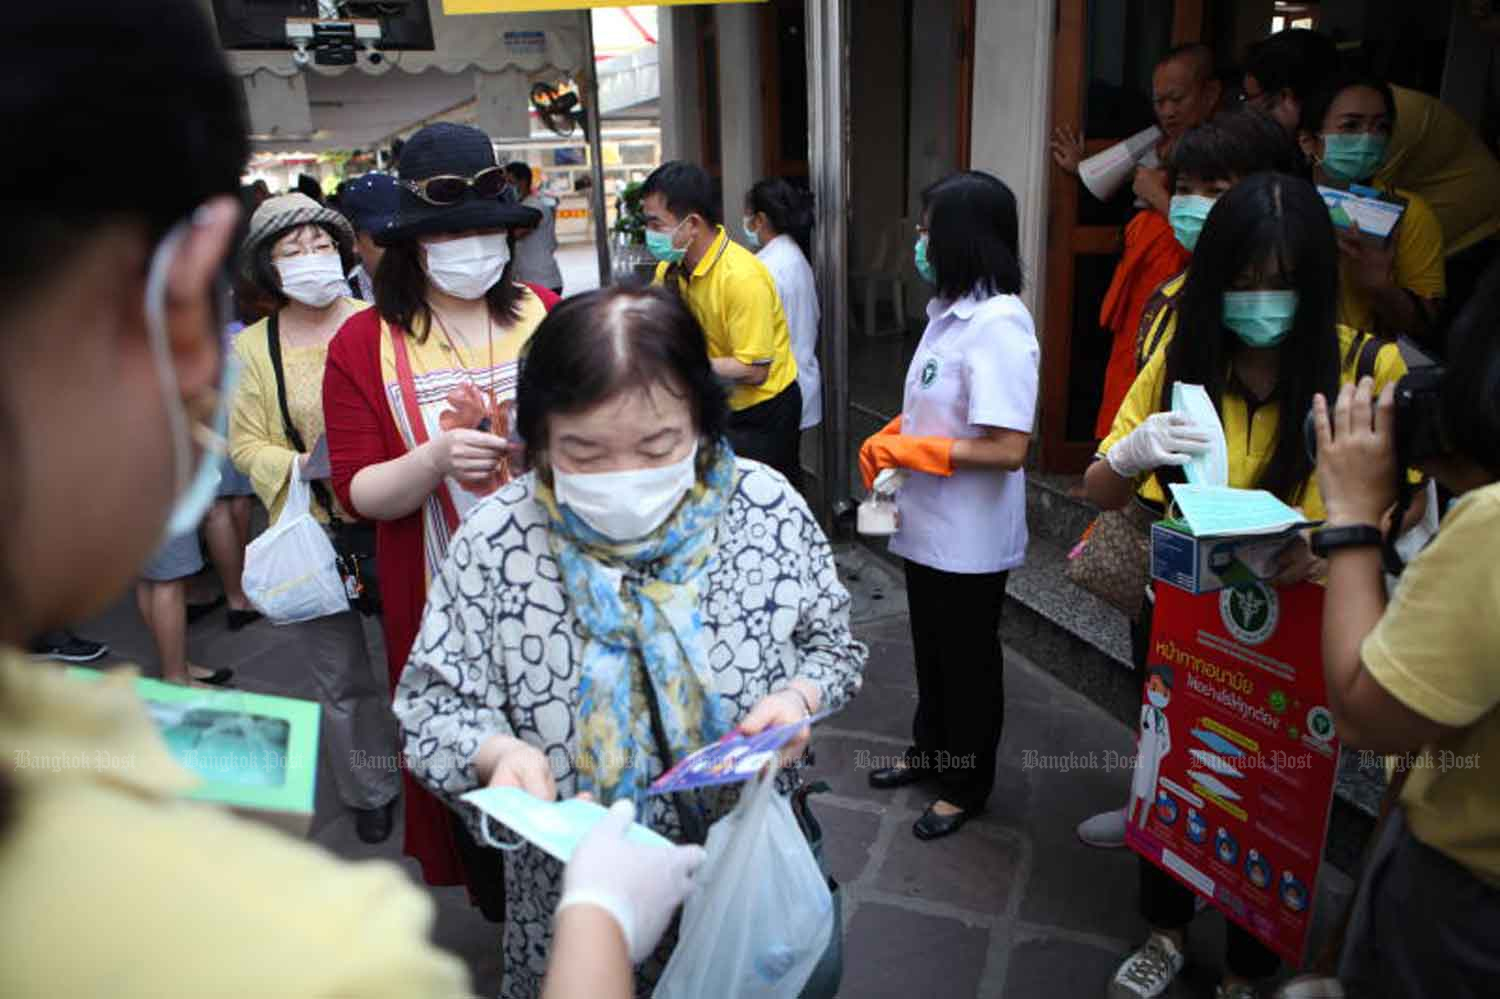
(1154, 742)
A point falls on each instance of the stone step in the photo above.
(1052, 509)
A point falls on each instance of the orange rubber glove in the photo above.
(933, 455)
(867, 467)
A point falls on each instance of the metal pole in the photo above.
(590, 81)
(828, 151)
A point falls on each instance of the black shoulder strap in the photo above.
(273, 347)
(1364, 364)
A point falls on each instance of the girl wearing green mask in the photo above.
(1390, 288)
(1257, 329)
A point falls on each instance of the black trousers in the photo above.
(955, 632)
(1165, 903)
(771, 432)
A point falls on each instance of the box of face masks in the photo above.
(1217, 536)
(254, 753)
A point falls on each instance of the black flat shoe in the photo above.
(239, 619)
(373, 825)
(197, 611)
(890, 778)
(934, 826)
(217, 678)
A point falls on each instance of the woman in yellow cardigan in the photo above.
(298, 252)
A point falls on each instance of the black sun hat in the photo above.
(449, 149)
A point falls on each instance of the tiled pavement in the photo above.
(1012, 906)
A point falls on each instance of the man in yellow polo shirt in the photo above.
(732, 296)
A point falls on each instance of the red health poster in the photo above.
(1236, 754)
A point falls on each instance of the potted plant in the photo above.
(632, 262)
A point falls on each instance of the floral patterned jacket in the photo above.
(499, 651)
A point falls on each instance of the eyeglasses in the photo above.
(449, 189)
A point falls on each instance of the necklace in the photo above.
(489, 339)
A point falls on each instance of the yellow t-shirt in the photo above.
(1435, 154)
(1251, 438)
(1419, 265)
(1158, 320)
(734, 299)
(114, 885)
(1436, 651)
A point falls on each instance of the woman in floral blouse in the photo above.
(638, 595)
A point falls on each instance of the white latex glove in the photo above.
(640, 886)
(1163, 439)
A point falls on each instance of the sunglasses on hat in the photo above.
(449, 189)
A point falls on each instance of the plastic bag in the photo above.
(762, 914)
(291, 571)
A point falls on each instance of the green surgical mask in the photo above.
(1187, 214)
(1260, 318)
(659, 245)
(1353, 157)
(924, 268)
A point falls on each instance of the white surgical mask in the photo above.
(195, 486)
(314, 279)
(468, 267)
(627, 505)
(1157, 698)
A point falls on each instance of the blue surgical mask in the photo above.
(196, 485)
(750, 233)
(924, 267)
(1260, 318)
(1353, 157)
(1187, 214)
(659, 245)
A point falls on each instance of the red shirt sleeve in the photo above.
(353, 424)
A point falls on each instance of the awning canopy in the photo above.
(489, 57)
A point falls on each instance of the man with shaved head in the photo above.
(1184, 93)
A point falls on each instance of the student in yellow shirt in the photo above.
(734, 298)
(1256, 328)
(1390, 288)
(1416, 676)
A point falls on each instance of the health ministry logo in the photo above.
(1250, 612)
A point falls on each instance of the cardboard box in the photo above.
(1204, 565)
(257, 754)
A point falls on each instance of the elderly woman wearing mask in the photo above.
(417, 399)
(638, 595)
(297, 253)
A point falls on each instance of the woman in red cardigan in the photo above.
(417, 397)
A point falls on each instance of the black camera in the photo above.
(1418, 432)
(1418, 422)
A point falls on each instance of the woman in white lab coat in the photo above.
(778, 223)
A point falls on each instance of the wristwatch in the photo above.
(1328, 539)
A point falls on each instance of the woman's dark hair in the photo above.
(1471, 379)
(1275, 224)
(1315, 107)
(787, 208)
(1297, 59)
(401, 290)
(973, 236)
(112, 72)
(263, 268)
(594, 346)
(688, 190)
(1231, 145)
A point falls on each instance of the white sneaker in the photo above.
(1148, 972)
(1105, 830)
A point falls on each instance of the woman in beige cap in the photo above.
(297, 252)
